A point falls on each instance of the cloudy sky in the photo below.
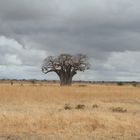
(108, 31)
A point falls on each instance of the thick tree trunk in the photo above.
(65, 79)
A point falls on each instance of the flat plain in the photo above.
(79, 112)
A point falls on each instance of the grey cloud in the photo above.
(98, 28)
(97, 25)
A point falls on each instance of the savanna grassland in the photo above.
(86, 112)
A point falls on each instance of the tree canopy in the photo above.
(65, 66)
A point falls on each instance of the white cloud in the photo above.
(18, 62)
(12, 59)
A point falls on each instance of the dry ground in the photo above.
(48, 112)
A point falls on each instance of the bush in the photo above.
(120, 84)
(118, 109)
(80, 106)
(33, 82)
(82, 85)
(134, 84)
(95, 106)
(67, 107)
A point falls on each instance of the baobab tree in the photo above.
(65, 66)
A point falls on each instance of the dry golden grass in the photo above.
(35, 112)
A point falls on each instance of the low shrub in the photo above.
(82, 85)
(134, 84)
(120, 84)
(67, 107)
(118, 109)
(95, 106)
(80, 106)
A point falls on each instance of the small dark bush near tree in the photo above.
(80, 106)
(33, 82)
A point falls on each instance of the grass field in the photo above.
(51, 112)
